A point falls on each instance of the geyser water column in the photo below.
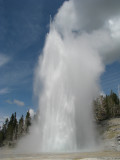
(78, 46)
(69, 70)
(69, 85)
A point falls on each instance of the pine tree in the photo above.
(9, 134)
(5, 127)
(12, 128)
(107, 107)
(15, 127)
(21, 127)
(27, 122)
(1, 137)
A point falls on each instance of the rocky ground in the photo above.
(110, 131)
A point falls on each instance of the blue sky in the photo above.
(23, 28)
(110, 79)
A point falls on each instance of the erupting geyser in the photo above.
(79, 44)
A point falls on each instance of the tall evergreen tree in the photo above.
(1, 137)
(27, 122)
(12, 128)
(21, 127)
(15, 127)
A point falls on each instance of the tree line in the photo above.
(14, 129)
(106, 107)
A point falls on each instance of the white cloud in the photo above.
(102, 93)
(63, 21)
(32, 112)
(18, 102)
(114, 25)
(4, 91)
(3, 59)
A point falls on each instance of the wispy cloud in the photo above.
(9, 101)
(4, 91)
(19, 103)
(16, 101)
(17, 73)
(3, 59)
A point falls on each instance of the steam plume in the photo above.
(84, 36)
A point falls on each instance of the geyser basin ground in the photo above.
(111, 155)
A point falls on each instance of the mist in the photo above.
(83, 37)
